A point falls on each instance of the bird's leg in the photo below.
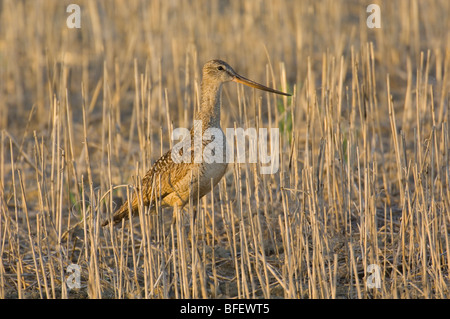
(194, 212)
(175, 213)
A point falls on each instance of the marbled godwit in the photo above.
(173, 183)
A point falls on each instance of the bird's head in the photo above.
(220, 71)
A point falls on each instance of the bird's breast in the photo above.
(211, 173)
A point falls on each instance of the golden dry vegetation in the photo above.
(364, 143)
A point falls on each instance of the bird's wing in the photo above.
(164, 176)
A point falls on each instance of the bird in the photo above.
(174, 182)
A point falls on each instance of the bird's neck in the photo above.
(210, 104)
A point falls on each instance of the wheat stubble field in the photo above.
(360, 205)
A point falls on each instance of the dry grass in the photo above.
(364, 171)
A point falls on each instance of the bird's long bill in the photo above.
(240, 79)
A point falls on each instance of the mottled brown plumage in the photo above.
(173, 183)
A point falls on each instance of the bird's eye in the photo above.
(220, 68)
